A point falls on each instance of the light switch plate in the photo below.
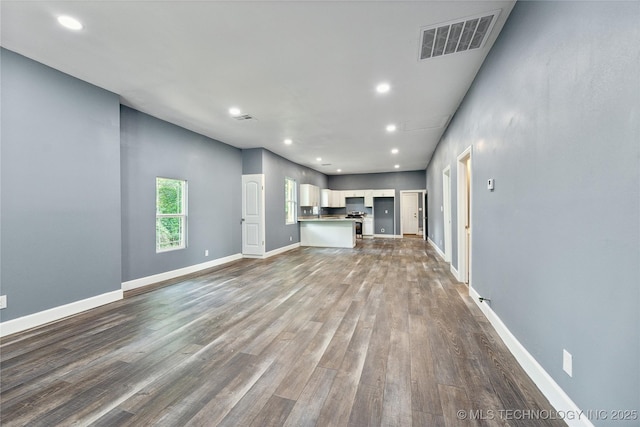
(3, 301)
(567, 362)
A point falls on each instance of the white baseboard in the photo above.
(387, 236)
(453, 271)
(51, 315)
(437, 249)
(552, 391)
(148, 280)
(273, 252)
(281, 250)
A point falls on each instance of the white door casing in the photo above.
(253, 215)
(446, 208)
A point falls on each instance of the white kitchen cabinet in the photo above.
(368, 198)
(367, 227)
(337, 198)
(326, 198)
(384, 193)
(309, 195)
(353, 193)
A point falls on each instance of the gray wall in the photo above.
(60, 175)
(384, 211)
(554, 118)
(152, 148)
(252, 161)
(276, 168)
(412, 180)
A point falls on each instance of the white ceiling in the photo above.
(306, 70)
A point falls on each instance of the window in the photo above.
(171, 214)
(290, 200)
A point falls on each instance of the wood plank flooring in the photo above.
(379, 335)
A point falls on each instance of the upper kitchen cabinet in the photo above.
(368, 198)
(332, 199)
(309, 195)
(353, 193)
(337, 199)
(384, 193)
(325, 198)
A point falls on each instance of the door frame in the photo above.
(419, 194)
(261, 219)
(446, 213)
(465, 186)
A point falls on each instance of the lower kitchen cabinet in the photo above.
(367, 227)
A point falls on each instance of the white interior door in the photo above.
(410, 221)
(464, 216)
(253, 215)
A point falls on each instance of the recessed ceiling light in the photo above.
(319, 159)
(69, 22)
(397, 166)
(288, 141)
(339, 170)
(235, 111)
(383, 88)
(394, 151)
(391, 128)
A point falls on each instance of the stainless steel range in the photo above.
(357, 215)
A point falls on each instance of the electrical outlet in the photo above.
(206, 252)
(291, 238)
(567, 362)
(3, 301)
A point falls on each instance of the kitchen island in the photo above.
(328, 232)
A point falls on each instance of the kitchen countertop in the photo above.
(329, 218)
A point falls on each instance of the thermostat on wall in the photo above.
(490, 183)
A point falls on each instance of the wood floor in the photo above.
(379, 335)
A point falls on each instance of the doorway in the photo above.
(409, 208)
(464, 216)
(446, 212)
(253, 215)
(425, 219)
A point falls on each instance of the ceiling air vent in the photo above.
(244, 117)
(456, 36)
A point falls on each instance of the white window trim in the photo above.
(293, 202)
(183, 215)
